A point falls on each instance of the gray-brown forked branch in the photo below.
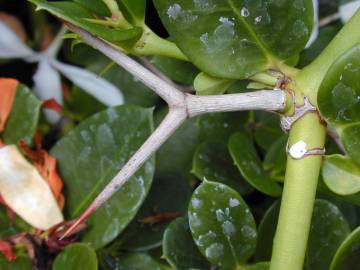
(181, 106)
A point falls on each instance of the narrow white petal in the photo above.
(25, 191)
(47, 85)
(348, 10)
(10, 45)
(94, 85)
(315, 31)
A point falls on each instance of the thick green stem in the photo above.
(310, 78)
(298, 196)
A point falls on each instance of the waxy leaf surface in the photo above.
(76, 14)
(222, 225)
(347, 256)
(133, 261)
(341, 175)
(90, 155)
(328, 229)
(339, 93)
(244, 154)
(179, 248)
(75, 257)
(23, 119)
(213, 162)
(169, 195)
(236, 39)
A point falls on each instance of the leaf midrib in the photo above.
(252, 33)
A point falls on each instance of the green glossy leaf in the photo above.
(134, 10)
(328, 229)
(76, 257)
(133, 261)
(219, 126)
(275, 158)
(179, 248)
(10, 227)
(77, 15)
(341, 175)
(175, 155)
(353, 199)
(96, 6)
(24, 117)
(347, 256)
(177, 70)
(205, 84)
(91, 154)
(168, 194)
(244, 154)
(213, 162)
(339, 93)
(81, 105)
(21, 263)
(222, 225)
(266, 129)
(258, 266)
(236, 39)
(350, 137)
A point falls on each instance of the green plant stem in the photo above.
(310, 78)
(298, 196)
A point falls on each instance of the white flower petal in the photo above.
(11, 46)
(25, 191)
(315, 31)
(94, 85)
(47, 85)
(348, 10)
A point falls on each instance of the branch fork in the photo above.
(181, 107)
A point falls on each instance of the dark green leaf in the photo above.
(23, 120)
(76, 257)
(236, 39)
(91, 154)
(10, 227)
(347, 256)
(179, 248)
(81, 105)
(222, 225)
(266, 233)
(177, 70)
(339, 93)
(213, 162)
(175, 156)
(77, 15)
(134, 10)
(96, 6)
(246, 159)
(275, 158)
(328, 229)
(168, 194)
(341, 175)
(219, 126)
(21, 263)
(133, 261)
(266, 129)
(350, 137)
(258, 266)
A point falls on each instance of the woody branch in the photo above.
(181, 106)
